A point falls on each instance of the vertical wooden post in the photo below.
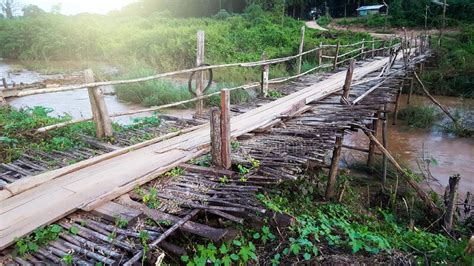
(320, 54)
(451, 201)
(5, 84)
(216, 151)
(200, 79)
(300, 50)
(373, 49)
(347, 83)
(336, 154)
(264, 79)
(336, 56)
(375, 128)
(397, 103)
(384, 143)
(103, 123)
(225, 128)
(412, 82)
(362, 49)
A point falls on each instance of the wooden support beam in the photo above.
(375, 129)
(216, 151)
(102, 121)
(334, 67)
(225, 129)
(348, 82)
(265, 78)
(5, 84)
(451, 190)
(397, 104)
(373, 49)
(421, 193)
(410, 92)
(384, 143)
(200, 79)
(300, 50)
(336, 155)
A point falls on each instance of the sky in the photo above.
(72, 7)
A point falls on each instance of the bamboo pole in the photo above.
(362, 49)
(334, 167)
(334, 67)
(375, 128)
(300, 50)
(215, 128)
(373, 49)
(421, 193)
(427, 93)
(225, 128)
(264, 78)
(384, 143)
(200, 79)
(410, 92)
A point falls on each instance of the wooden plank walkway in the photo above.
(103, 180)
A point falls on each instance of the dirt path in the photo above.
(312, 24)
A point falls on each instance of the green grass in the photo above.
(420, 116)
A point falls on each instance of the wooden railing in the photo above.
(327, 56)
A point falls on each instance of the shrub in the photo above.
(420, 116)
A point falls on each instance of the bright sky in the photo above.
(72, 7)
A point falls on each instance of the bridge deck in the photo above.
(90, 183)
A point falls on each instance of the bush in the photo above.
(420, 116)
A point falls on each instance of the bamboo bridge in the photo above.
(302, 130)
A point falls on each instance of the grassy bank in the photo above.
(358, 229)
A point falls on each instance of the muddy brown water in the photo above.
(453, 154)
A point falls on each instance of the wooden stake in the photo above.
(103, 123)
(375, 128)
(451, 204)
(200, 79)
(347, 84)
(397, 103)
(421, 193)
(384, 143)
(5, 84)
(362, 49)
(373, 49)
(336, 155)
(225, 128)
(300, 50)
(320, 54)
(335, 57)
(265, 78)
(216, 151)
(411, 90)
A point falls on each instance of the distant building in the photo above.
(369, 10)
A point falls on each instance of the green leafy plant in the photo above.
(38, 238)
(151, 199)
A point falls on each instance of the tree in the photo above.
(9, 7)
(32, 11)
(56, 8)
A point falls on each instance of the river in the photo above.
(452, 154)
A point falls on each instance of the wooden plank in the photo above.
(112, 210)
(89, 186)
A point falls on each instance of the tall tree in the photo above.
(9, 7)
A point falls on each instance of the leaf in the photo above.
(185, 258)
(256, 235)
(295, 248)
(286, 251)
(55, 229)
(237, 242)
(74, 230)
(307, 256)
(234, 256)
(33, 246)
(223, 249)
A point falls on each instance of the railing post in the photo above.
(336, 154)
(3, 101)
(200, 79)
(215, 127)
(412, 84)
(320, 54)
(397, 103)
(375, 129)
(300, 50)
(225, 129)
(362, 49)
(5, 84)
(384, 143)
(335, 57)
(265, 77)
(102, 121)
(373, 49)
(347, 84)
